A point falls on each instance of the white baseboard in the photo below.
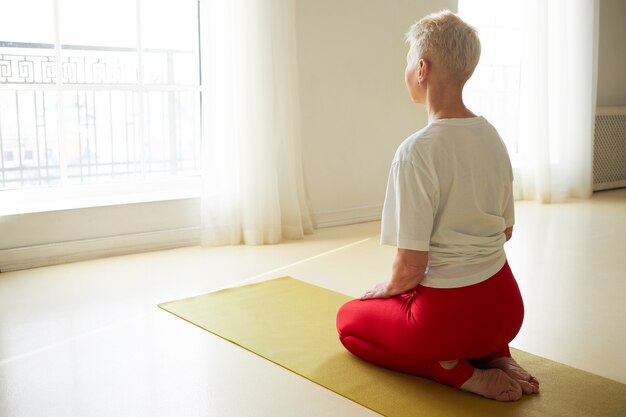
(342, 217)
(81, 250)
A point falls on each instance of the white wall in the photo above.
(612, 53)
(355, 108)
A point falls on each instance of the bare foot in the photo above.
(494, 384)
(529, 384)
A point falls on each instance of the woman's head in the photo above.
(450, 44)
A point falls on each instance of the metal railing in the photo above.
(100, 122)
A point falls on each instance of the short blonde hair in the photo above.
(445, 38)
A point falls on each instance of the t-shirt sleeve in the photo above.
(509, 210)
(409, 208)
(509, 203)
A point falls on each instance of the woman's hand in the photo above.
(408, 272)
(379, 291)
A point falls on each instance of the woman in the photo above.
(452, 305)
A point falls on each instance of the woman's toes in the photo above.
(535, 383)
(528, 387)
(528, 383)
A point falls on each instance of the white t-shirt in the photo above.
(450, 193)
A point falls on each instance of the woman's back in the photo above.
(459, 171)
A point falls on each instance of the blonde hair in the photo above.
(445, 38)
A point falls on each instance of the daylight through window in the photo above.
(97, 92)
(494, 89)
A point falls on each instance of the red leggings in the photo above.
(412, 332)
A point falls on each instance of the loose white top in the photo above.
(450, 193)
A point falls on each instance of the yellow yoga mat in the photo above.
(292, 323)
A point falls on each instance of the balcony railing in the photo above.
(114, 115)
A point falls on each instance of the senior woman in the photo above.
(452, 304)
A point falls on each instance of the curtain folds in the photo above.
(253, 186)
(558, 100)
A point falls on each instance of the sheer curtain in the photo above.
(253, 187)
(557, 100)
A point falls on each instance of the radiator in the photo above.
(609, 148)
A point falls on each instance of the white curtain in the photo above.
(558, 100)
(253, 187)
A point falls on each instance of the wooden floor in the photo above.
(87, 339)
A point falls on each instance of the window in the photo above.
(98, 91)
(494, 89)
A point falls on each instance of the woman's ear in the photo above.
(423, 70)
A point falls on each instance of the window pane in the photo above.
(29, 147)
(101, 137)
(172, 133)
(27, 42)
(493, 90)
(23, 63)
(169, 24)
(29, 21)
(170, 40)
(98, 41)
(104, 65)
(102, 131)
(478, 12)
(110, 23)
(114, 127)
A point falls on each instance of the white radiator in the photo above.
(609, 148)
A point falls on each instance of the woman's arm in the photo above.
(407, 273)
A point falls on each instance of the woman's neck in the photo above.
(445, 102)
